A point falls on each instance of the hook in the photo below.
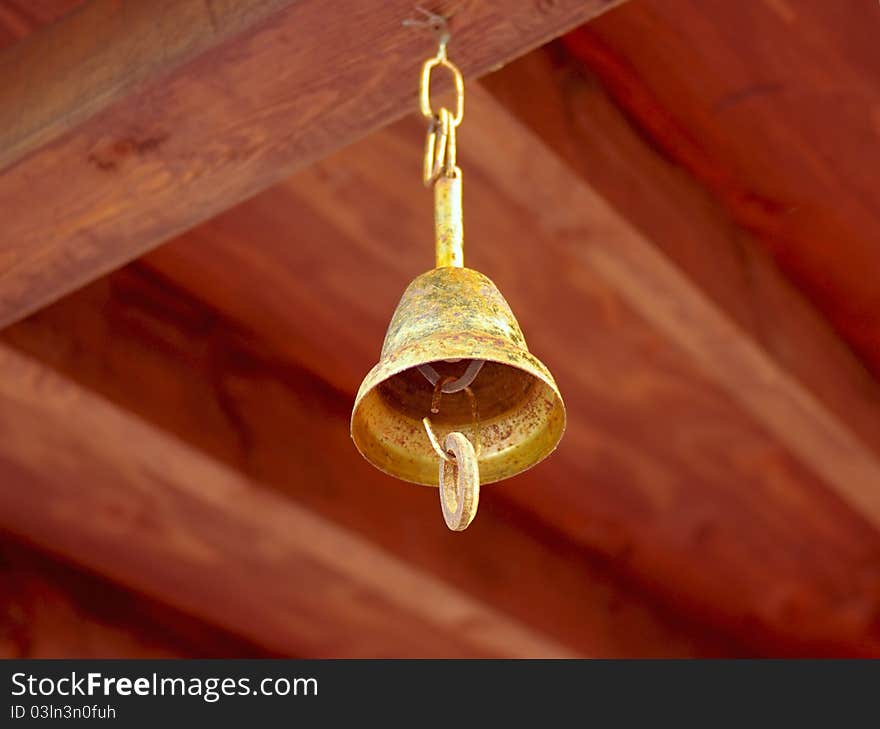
(439, 389)
(451, 384)
(437, 23)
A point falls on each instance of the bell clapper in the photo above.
(459, 483)
(459, 476)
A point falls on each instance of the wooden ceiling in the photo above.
(675, 199)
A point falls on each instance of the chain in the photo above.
(440, 146)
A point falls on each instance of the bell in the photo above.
(453, 326)
(454, 361)
(448, 318)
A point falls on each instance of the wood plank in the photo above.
(598, 137)
(823, 442)
(710, 498)
(779, 121)
(49, 609)
(169, 522)
(20, 18)
(69, 71)
(831, 410)
(153, 350)
(173, 122)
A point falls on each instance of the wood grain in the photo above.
(83, 479)
(778, 120)
(49, 609)
(20, 18)
(683, 486)
(153, 350)
(787, 368)
(68, 71)
(215, 122)
(604, 145)
(722, 458)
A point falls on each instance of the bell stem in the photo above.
(448, 225)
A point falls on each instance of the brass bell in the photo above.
(456, 398)
(448, 319)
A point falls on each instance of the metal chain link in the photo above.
(440, 144)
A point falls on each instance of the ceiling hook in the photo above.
(439, 24)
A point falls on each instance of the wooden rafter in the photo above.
(716, 419)
(771, 106)
(734, 358)
(53, 610)
(83, 478)
(161, 132)
(652, 400)
(606, 146)
(71, 70)
(156, 351)
(665, 460)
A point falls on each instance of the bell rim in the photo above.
(473, 348)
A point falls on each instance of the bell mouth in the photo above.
(496, 389)
(521, 418)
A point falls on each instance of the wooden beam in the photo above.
(807, 386)
(772, 123)
(663, 432)
(20, 18)
(49, 609)
(83, 479)
(843, 453)
(171, 117)
(605, 143)
(153, 350)
(73, 69)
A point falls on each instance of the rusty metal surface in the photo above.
(448, 221)
(456, 313)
